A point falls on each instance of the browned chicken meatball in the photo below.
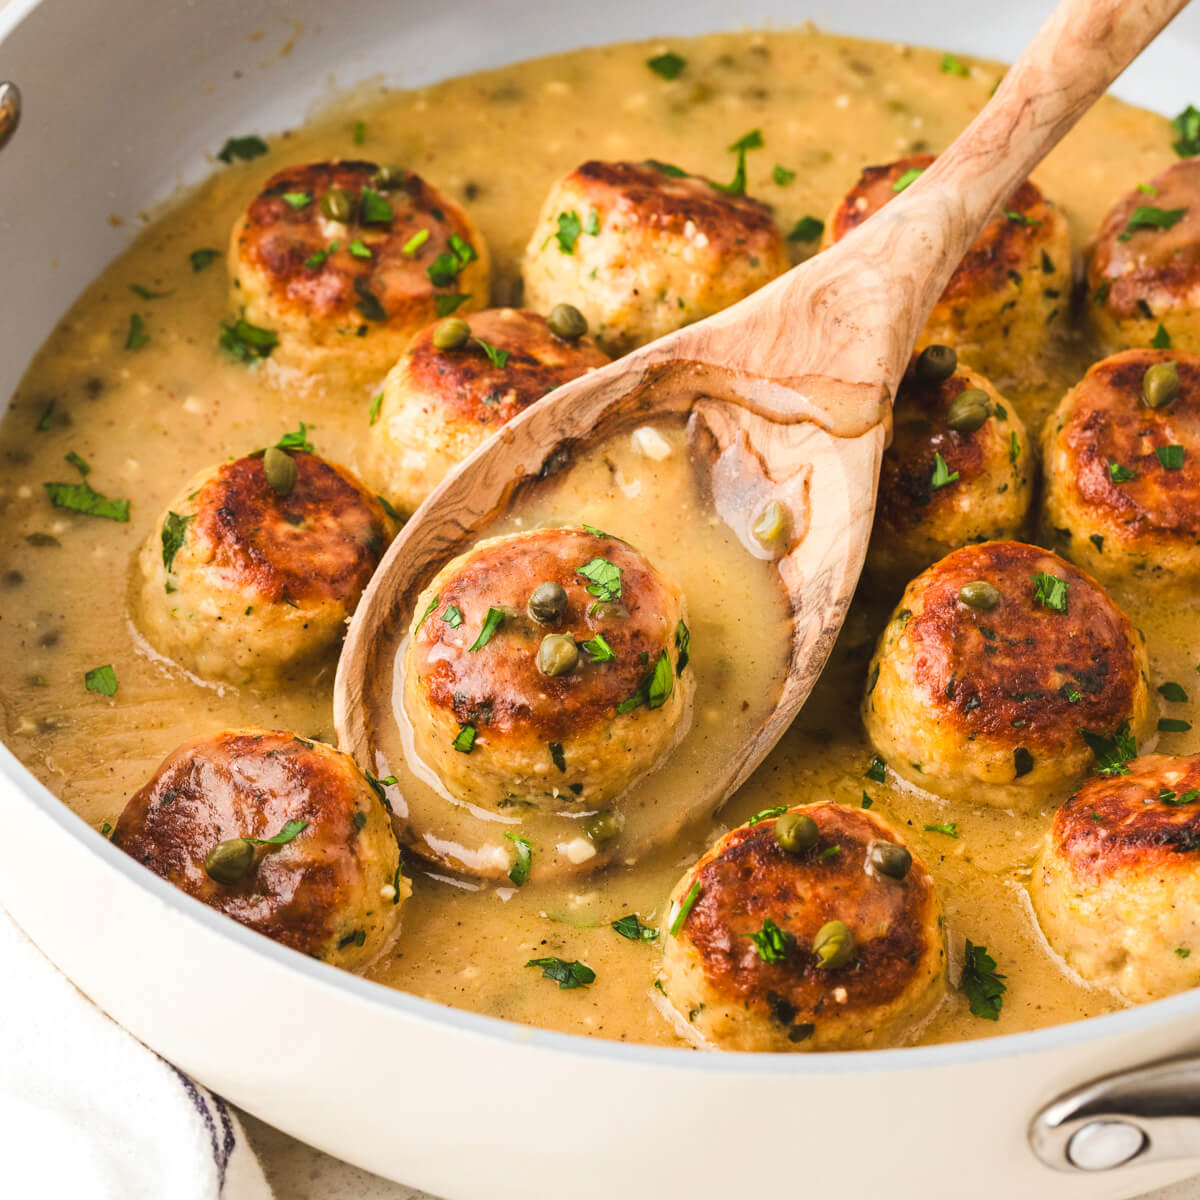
(344, 261)
(959, 469)
(280, 833)
(242, 583)
(642, 249)
(547, 670)
(1117, 889)
(996, 663)
(1003, 302)
(1122, 477)
(813, 930)
(439, 405)
(1143, 269)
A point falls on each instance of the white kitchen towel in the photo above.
(88, 1113)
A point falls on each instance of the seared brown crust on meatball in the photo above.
(1013, 284)
(359, 287)
(990, 704)
(1146, 519)
(1117, 889)
(440, 405)
(333, 891)
(520, 714)
(656, 249)
(1144, 276)
(259, 583)
(916, 522)
(739, 1000)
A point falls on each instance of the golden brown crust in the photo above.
(467, 386)
(287, 248)
(1128, 821)
(250, 783)
(1022, 672)
(747, 878)
(500, 686)
(1106, 420)
(321, 542)
(1151, 271)
(1002, 249)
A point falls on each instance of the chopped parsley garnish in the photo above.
(497, 357)
(78, 463)
(866, 801)
(557, 756)
(683, 643)
(247, 342)
(464, 740)
(297, 199)
(605, 579)
(428, 613)
(765, 814)
(1020, 218)
(631, 927)
(174, 529)
(137, 336)
(453, 616)
(447, 302)
(285, 835)
(596, 532)
(492, 622)
(377, 786)
(782, 175)
(807, 229)
(1112, 751)
(666, 168)
(296, 440)
(376, 406)
(773, 944)
(1183, 952)
(102, 680)
(1070, 693)
(668, 65)
(415, 242)
(829, 852)
(521, 864)
(942, 475)
(1146, 216)
(591, 224)
(147, 294)
(1172, 692)
(1014, 447)
(201, 258)
(1118, 473)
(954, 66)
(47, 416)
(1173, 725)
(359, 134)
(83, 498)
(244, 148)
(566, 974)
(1171, 457)
(1161, 339)
(445, 269)
(359, 248)
(599, 649)
(984, 988)
(950, 829)
(569, 229)
(318, 259)
(368, 303)
(375, 209)
(877, 770)
(388, 507)
(1189, 797)
(1050, 592)
(681, 913)
(655, 689)
(737, 185)
(908, 178)
(1187, 130)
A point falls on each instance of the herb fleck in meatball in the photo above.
(999, 662)
(280, 833)
(813, 930)
(642, 249)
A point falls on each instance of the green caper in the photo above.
(452, 333)
(889, 859)
(228, 862)
(558, 654)
(968, 411)
(567, 322)
(389, 177)
(1160, 384)
(935, 364)
(280, 469)
(548, 603)
(833, 945)
(796, 832)
(979, 594)
(771, 523)
(602, 827)
(338, 204)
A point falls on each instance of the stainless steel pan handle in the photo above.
(1149, 1114)
(10, 111)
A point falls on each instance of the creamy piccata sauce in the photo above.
(146, 418)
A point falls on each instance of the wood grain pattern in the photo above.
(790, 390)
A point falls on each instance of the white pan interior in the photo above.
(124, 101)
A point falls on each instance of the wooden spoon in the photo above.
(789, 390)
